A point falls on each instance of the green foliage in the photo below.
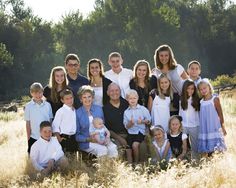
(224, 80)
(6, 59)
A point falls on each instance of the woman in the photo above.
(141, 81)
(166, 63)
(99, 83)
(57, 83)
(84, 118)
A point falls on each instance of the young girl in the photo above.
(141, 81)
(161, 144)
(159, 102)
(189, 111)
(165, 63)
(177, 139)
(57, 83)
(211, 121)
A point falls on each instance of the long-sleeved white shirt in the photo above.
(42, 151)
(190, 115)
(65, 121)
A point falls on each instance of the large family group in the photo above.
(164, 113)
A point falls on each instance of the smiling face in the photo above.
(204, 89)
(164, 84)
(46, 133)
(115, 63)
(86, 99)
(175, 126)
(194, 71)
(158, 135)
(141, 71)
(132, 100)
(190, 90)
(72, 66)
(164, 57)
(37, 96)
(113, 92)
(68, 100)
(59, 77)
(95, 69)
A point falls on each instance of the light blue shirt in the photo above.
(137, 112)
(36, 113)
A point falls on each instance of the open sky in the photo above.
(52, 10)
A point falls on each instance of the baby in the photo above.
(99, 132)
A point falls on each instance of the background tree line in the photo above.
(30, 46)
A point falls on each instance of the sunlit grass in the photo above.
(16, 171)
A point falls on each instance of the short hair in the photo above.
(71, 57)
(85, 89)
(97, 120)
(36, 87)
(65, 92)
(131, 92)
(194, 62)
(45, 124)
(91, 61)
(114, 54)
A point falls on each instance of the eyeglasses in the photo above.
(73, 65)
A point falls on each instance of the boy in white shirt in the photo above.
(194, 71)
(119, 75)
(46, 153)
(64, 123)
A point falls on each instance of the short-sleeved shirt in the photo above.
(122, 79)
(114, 116)
(36, 113)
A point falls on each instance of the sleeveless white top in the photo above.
(98, 96)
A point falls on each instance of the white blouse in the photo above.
(98, 96)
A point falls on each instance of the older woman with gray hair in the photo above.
(84, 118)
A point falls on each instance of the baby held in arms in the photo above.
(99, 132)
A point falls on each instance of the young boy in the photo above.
(64, 123)
(36, 111)
(121, 76)
(136, 117)
(46, 153)
(194, 71)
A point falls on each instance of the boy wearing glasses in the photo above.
(76, 80)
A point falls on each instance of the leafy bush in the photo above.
(223, 80)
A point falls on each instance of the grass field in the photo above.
(16, 171)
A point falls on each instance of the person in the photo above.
(161, 144)
(36, 111)
(212, 129)
(136, 118)
(177, 139)
(141, 81)
(76, 80)
(99, 131)
(46, 153)
(160, 101)
(114, 115)
(64, 123)
(84, 117)
(194, 71)
(189, 111)
(99, 83)
(57, 82)
(165, 63)
(121, 76)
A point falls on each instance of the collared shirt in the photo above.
(36, 113)
(190, 115)
(42, 151)
(65, 121)
(122, 79)
(138, 112)
(83, 124)
(75, 85)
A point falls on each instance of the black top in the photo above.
(153, 82)
(176, 144)
(114, 116)
(75, 85)
(143, 93)
(105, 83)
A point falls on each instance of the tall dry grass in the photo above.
(15, 170)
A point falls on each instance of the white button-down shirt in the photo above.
(190, 115)
(36, 113)
(65, 121)
(122, 79)
(42, 151)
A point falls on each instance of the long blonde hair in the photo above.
(169, 91)
(53, 84)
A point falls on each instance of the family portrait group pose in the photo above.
(160, 114)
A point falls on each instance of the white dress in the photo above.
(161, 112)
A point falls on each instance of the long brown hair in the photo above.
(147, 77)
(53, 84)
(172, 62)
(184, 97)
(91, 61)
(169, 91)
